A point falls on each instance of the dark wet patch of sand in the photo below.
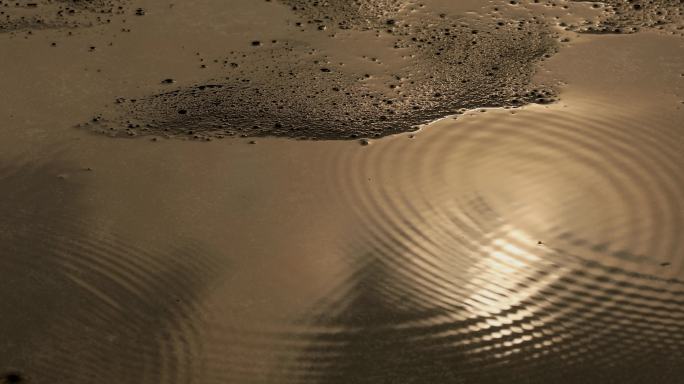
(291, 89)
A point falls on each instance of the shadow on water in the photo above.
(80, 304)
(580, 329)
(384, 336)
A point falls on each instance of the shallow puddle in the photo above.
(539, 244)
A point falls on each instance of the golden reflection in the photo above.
(510, 271)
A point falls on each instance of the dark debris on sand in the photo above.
(628, 16)
(23, 15)
(347, 14)
(291, 90)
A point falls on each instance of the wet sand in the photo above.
(534, 243)
(307, 87)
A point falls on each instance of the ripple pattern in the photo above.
(530, 245)
(93, 307)
(513, 250)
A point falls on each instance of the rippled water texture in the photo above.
(535, 244)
